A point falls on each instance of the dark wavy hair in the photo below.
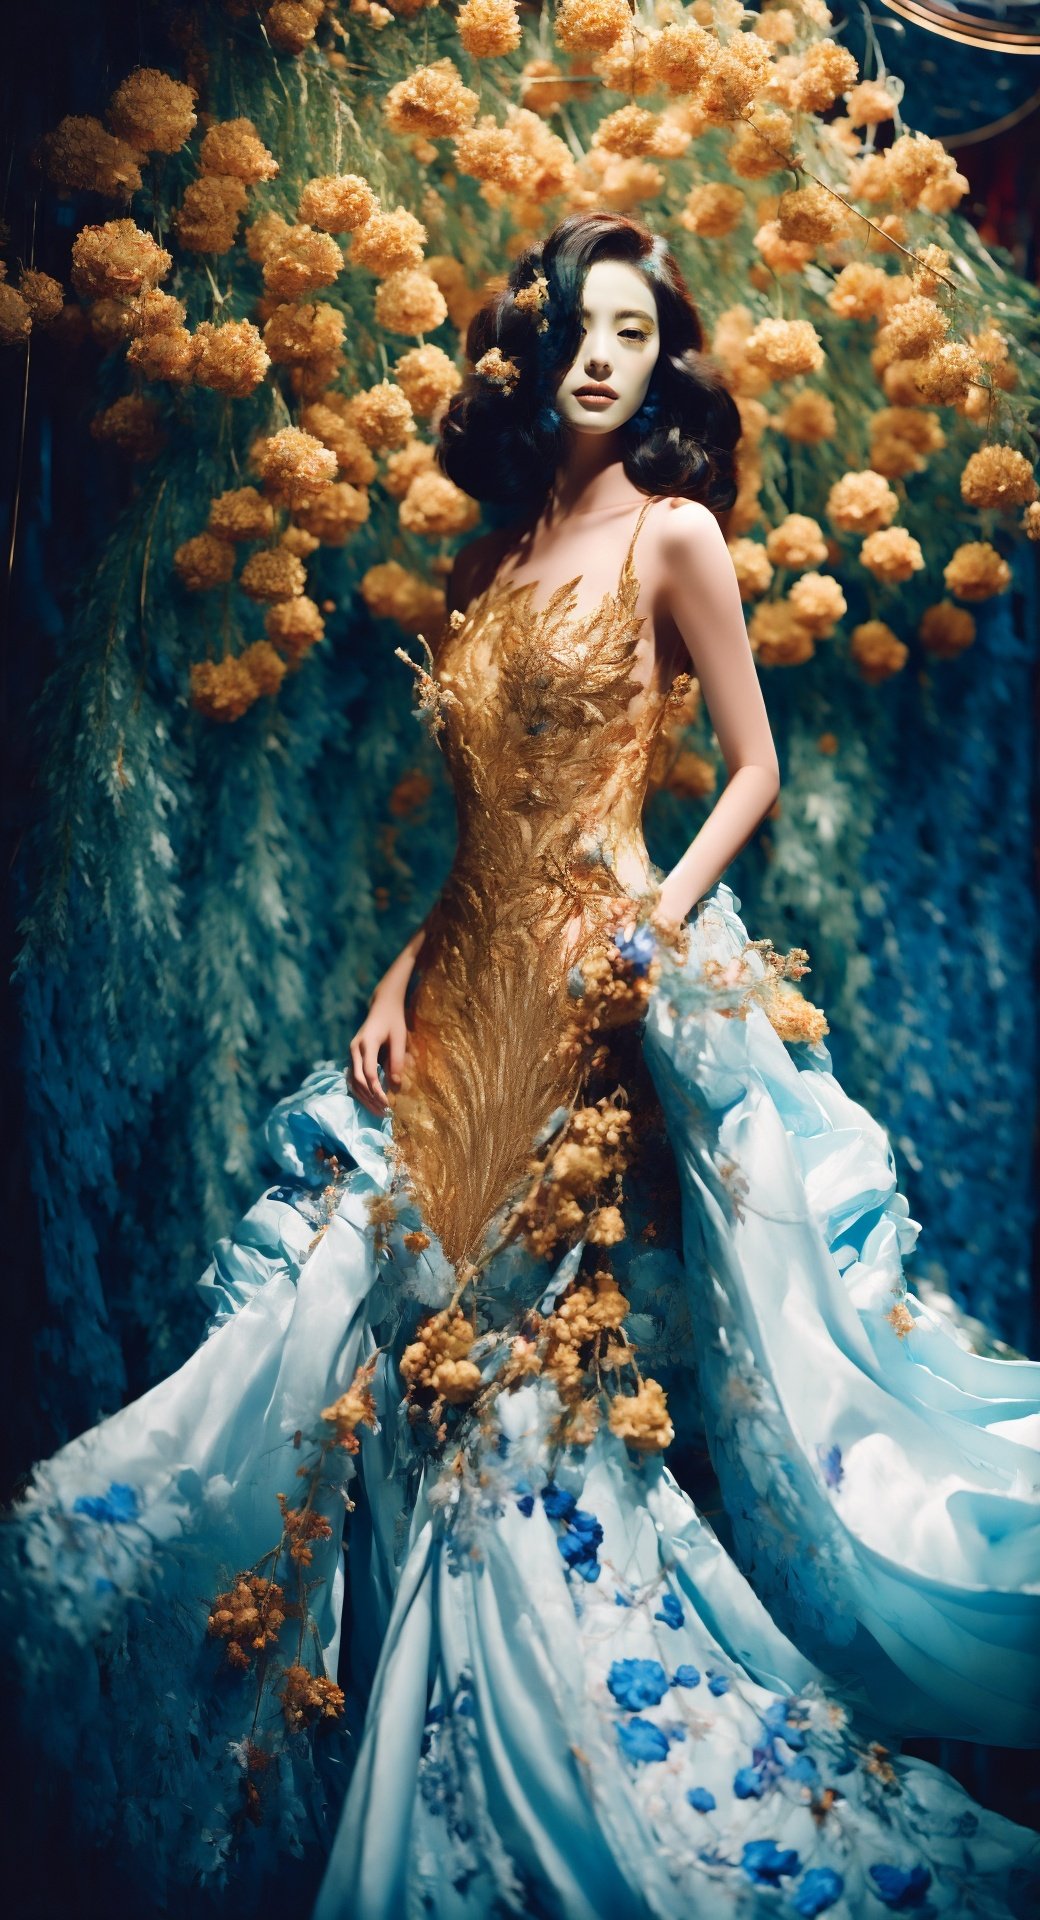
(504, 449)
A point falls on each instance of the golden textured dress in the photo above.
(550, 768)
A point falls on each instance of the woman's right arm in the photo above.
(384, 1026)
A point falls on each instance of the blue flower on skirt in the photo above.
(830, 1465)
(641, 1740)
(701, 1799)
(718, 1684)
(670, 1611)
(686, 1676)
(749, 1783)
(118, 1504)
(818, 1891)
(578, 1545)
(777, 1719)
(899, 1888)
(637, 1683)
(766, 1864)
(637, 948)
(558, 1504)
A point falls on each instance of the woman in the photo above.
(597, 1210)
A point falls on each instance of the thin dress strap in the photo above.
(643, 511)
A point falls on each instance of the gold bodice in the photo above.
(534, 709)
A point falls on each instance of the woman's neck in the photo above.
(591, 479)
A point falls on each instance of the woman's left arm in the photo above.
(704, 601)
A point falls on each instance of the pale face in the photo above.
(618, 349)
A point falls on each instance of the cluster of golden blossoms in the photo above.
(355, 1408)
(556, 1209)
(149, 112)
(248, 1618)
(36, 301)
(308, 1697)
(301, 1525)
(436, 1367)
(580, 1346)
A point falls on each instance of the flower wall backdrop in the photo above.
(274, 237)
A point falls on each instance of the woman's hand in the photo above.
(384, 1026)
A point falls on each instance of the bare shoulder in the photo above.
(682, 523)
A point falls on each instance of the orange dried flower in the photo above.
(203, 562)
(946, 630)
(811, 214)
(913, 327)
(80, 156)
(869, 103)
(248, 1617)
(43, 295)
(393, 592)
(155, 312)
(681, 55)
(428, 377)
(207, 219)
(300, 261)
(301, 1525)
(152, 111)
(862, 502)
(976, 571)
(264, 233)
(117, 260)
(797, 542)
(488, 28)
(292, 24)
(785, 348)
(877, 651)
(778, 638)
(387, 242)
(860, 291)
(337, 203)
(331, 425)
(891, 554)
(294, 627)
(641, 1419)
(241, 514)
(234, 148)
(335, 514)
(740, 72)
(764, 144)
(230, 358)
(166, 354)
(543, 87)
(293, 465)
(409, 302)
(435, 507)
(406, 464)
(355, 1408)
(273, 574)
(589, 26)
(306, 1697)
(752, 566)
(808, 418)
(826, 71)
(817, 601)
(625, 66)
(998, 477)
(295, 334)
(131, 424)
(15, 317)
(382, 415)
(432, 101)
(780, 255)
